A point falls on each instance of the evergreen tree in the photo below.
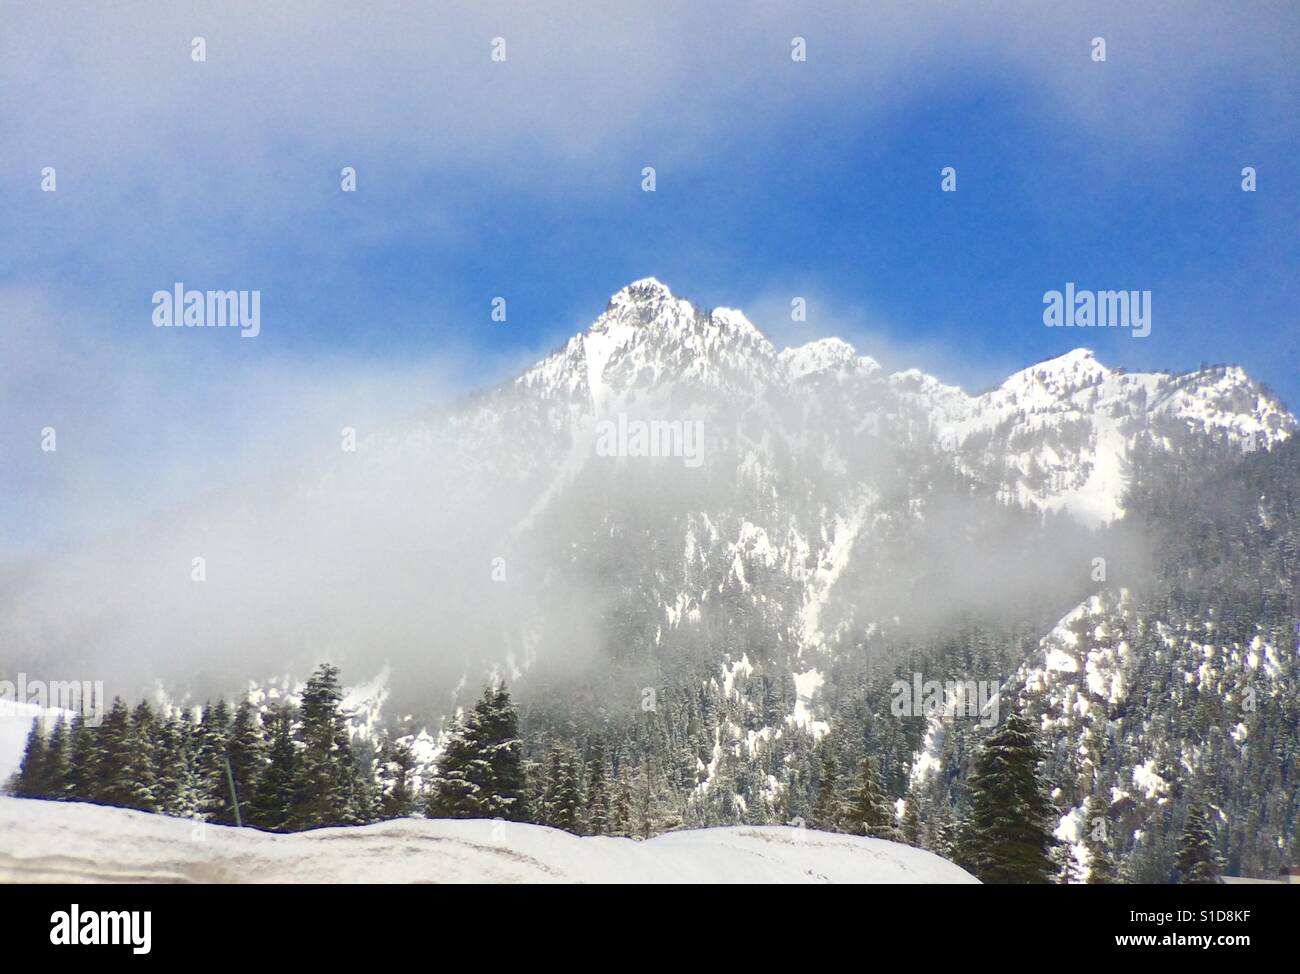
(945, 835)
(1097, 840)
(599, 812)
(108, 779)
(274, 799)
(56, 760)
(396, 780)
(456, 789)
(1065, 868)
(329, 788)
(83, 759)
(504, 751)
(563, 801)
(935, 814)
(827, 811)
(620, 817)
(912, 822)
(179, 790)
(213, 742)
(1005, 837)
(29, 781)
(646, 791)
(247, 753)
(140, 772)
(480, 773)
(869, 812)
(1197, 860)
(315, 791)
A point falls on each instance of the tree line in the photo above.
(297, 766)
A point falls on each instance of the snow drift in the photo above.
(78, 843)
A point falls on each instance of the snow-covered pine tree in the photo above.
(247, 754)
(503, 747)
(213, 741)
(620, 815)
(1151, 860)
(332, 787)
(318, 797)
(828, 811)
(140, 772)
(797, 780)
(1065, 868)
(944, 837)
(649, 796)
(869, 812)
(56, 760)
(1005, 836)
(911, 827)
(109, 784)
(598, 792)
(480, 773)
(83, 759)
(552, 773)
(273, 802)
(179, 785)
(1197, 860)
(563, 798)
(457, 782)
(396, 779)
(1097, 840)
(29, 780)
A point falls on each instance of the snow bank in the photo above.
(69, 842)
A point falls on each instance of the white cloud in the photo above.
(294, 91)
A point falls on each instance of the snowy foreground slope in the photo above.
(58, 842)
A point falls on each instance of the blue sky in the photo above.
(478, 179)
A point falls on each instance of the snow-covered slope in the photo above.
(817, 445)
(1059, 434)
(1118, 694)
(56, 842)
(828, 490)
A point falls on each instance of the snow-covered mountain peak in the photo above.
(646, 337)
(1057, 435)
(646, 303)
(641, 291)
(931, 396)
(649, 303)
(825, 355)
(1074, 370)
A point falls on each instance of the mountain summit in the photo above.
(1054, 436)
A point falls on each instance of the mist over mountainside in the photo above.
(717, 557)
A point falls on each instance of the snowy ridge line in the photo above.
(44, 841)
(1054, 436)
